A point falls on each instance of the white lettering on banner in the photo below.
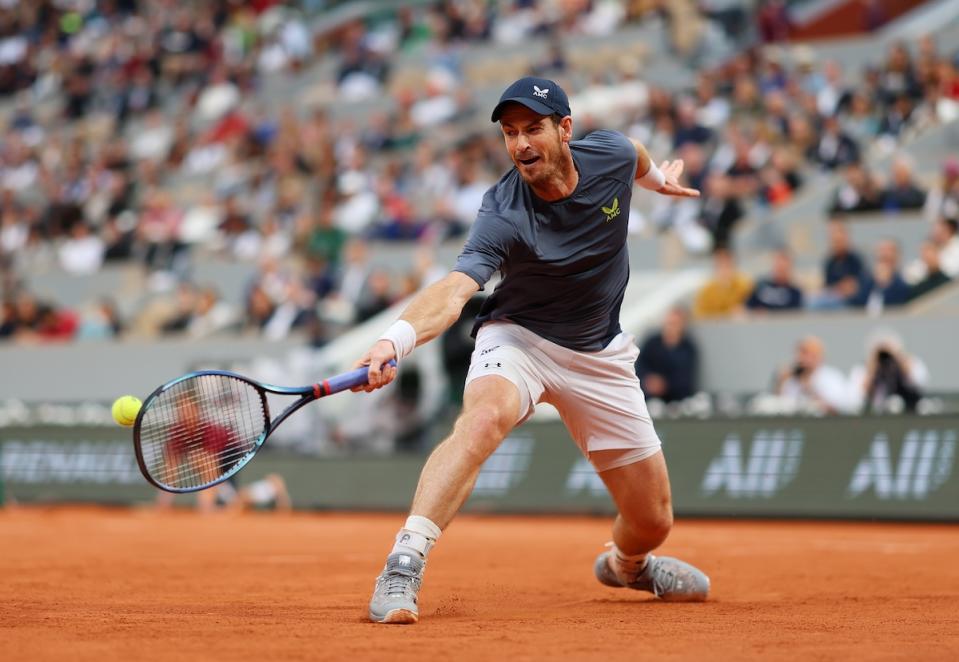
(68, 462)
(925, 464)
(506, 467)
(583, 477)
(772, 464)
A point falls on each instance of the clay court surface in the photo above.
(91, 584)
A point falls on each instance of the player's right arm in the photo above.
(437, 307)
(432, 311)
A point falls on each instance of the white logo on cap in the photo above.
(540, 93)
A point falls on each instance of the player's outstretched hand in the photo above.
(380, 374)
(672, 170)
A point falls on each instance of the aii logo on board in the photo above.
(612, 211)
(758, 471)
(924, 465)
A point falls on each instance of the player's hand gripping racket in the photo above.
(200, 429)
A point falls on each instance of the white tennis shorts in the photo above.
(597, 394)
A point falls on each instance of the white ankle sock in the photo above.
(627, 566)
(418, 536)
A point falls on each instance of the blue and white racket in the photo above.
(198, 430)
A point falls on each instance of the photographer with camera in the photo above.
(889, 374)
(809, 384)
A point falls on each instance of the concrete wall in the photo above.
(740, 356)
(104, 370)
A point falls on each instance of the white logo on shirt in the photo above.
(540, 93)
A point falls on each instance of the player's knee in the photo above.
(653, 524)
(661, 523)
(480, 431)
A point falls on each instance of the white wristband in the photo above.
(654, 179)
(403, 336)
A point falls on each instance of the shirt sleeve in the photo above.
(486, 247)
(609, 154)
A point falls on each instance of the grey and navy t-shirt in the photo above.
(564, 263)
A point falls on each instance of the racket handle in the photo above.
(350, 379)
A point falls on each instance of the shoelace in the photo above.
(397, 583)
(663, 579)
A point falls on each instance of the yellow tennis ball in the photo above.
(125, 409)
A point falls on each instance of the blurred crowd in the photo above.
(138, 133)
(847, 279)
(890, 379)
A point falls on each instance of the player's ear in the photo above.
(566, 128)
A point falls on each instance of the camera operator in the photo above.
(808, 383)
(889, 371)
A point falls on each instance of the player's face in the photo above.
(535, 143)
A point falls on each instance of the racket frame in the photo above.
(307, 394)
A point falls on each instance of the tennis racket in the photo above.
(202, 428)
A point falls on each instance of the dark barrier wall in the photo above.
(881, 467)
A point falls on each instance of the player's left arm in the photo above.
(664, 179)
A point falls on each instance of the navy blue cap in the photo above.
(540, 95)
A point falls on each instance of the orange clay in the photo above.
(103, 585)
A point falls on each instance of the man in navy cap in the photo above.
(554, 226)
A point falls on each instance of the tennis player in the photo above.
(555, 227)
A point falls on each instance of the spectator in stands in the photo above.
(861, 123)
(354, 272)
(774, 22)
(187, 93)
(259, 308)
(159, 228)
(687, 128)
(83, 252)
(808, 383)
(184, 306)
(778, 291)
(902, 192)
(780, 177)
(721, 208)
(835, 148)
(294, 310)
(859, 191)
(927, 273)
(895, 118)
(325, 239)
(8, 318)
(377, 297)
(946, 238)
(889, 372)
(25, 321)
(56, 324)
(885, 287)
(102, 322)
(834, 95)
(726, 292)
(456, 346)
(943, 199)
(211, 314)
(669, 360)
(843, 270)
(897, 79)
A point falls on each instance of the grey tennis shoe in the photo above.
(665, 577)
(394, 596)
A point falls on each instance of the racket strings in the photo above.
(200, 429)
